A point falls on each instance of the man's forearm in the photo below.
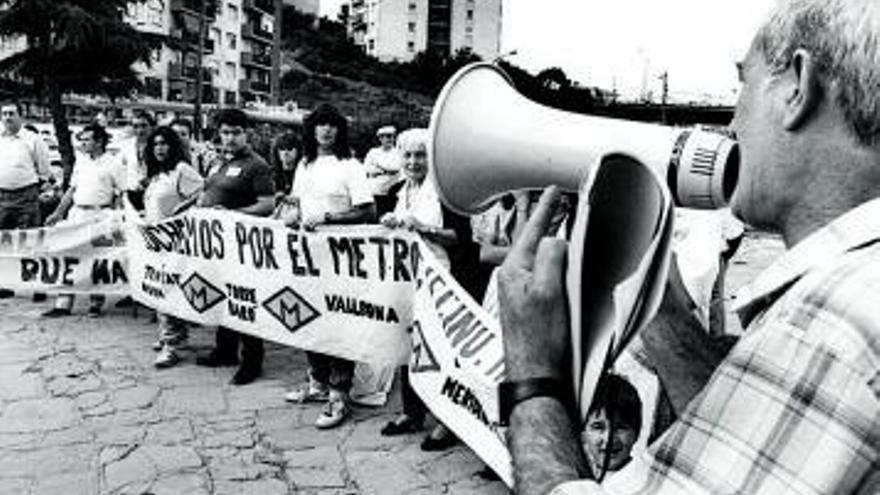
(262, 208)
(545, 447)
(64, 204)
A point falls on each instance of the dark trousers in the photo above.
(332, 371)
(251, 347)
(412, 403)
(20, 208)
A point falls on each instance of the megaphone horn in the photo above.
(487, 139)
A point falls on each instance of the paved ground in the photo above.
(83, 411)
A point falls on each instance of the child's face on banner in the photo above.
(597, 442)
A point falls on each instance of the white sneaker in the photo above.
(333, 414)
(166, 358)
(314, 391)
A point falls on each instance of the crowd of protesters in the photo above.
(312, 171)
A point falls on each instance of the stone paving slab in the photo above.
(83, 411)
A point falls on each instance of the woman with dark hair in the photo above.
(330, 188)
(325, 115)
(170, 182)
(285, 154)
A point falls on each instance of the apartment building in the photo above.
(240, 61)
(396, 30)
(241, 50)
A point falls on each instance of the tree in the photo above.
(78, 46)
(553, 79)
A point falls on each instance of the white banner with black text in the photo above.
(457, 362)
(345, 291)
(87, 255)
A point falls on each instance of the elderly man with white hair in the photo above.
(794, 408)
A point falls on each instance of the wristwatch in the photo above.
(511, 393)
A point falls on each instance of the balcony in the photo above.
(187, 73)
(191, 6)
(267, 6)
(254, 59)
(186, 92)
(192, 39)
(250, 86)
(248, 30)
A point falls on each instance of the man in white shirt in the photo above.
(383, 164)
(794, 406)
(95, 184)
(24, 163)
(132, 154)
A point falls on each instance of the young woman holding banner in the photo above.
(329, 187)
(418, 209)
(170, 182)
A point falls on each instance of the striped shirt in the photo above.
(795, 407)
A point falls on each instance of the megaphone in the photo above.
(487, 139)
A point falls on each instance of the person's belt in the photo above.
(19, 190)
(371, 175)
(93, 207)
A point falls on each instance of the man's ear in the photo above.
(805, 93)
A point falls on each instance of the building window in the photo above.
(230, 71)
(470, 15)
(412, 6)
(230, 97)
(153, 87)
(232, 11)
(231, 41)
(411, 27)
(410, 46)
(371, 45)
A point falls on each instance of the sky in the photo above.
(627, 44)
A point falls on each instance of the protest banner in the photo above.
(345, 291)
(457, 362)
(71, 257)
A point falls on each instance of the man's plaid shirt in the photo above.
(795, 406)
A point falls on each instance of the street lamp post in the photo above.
(197, 105)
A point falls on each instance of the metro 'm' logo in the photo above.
(291, 309)
(200, 293)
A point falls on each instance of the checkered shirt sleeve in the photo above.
(795, 407)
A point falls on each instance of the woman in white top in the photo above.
(170, 181)
(330, 188)
(419, 209)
